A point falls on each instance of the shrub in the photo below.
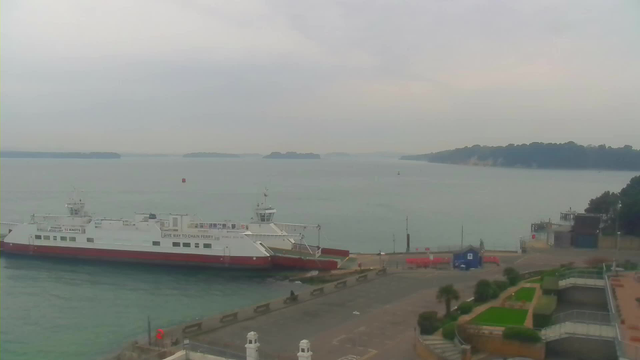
(512, 275)
(465, 307)
(523, 334)
(428, 322)
(449, 331)
(542, 311)
(485, 291)
(501, 285)
(451, 317)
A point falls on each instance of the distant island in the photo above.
(539, 155)
(210, 155)
(58, 155)
(291, 155)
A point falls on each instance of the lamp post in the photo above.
(618, 205)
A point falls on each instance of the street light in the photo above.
(618, 205)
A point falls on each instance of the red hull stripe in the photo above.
(138, 256)
(290, 262)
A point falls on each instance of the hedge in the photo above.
(465, 307)
(428, 322)
(449, 331)
(542, 311)
(501, 285)
(522, 334)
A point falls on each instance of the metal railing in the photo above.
(581, 274)
(587, 330)
(582, 316)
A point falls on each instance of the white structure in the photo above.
(252, 346)
(171, 239)
(305, 350)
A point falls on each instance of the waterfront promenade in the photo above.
(375, 320)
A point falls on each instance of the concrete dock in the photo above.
(375, 319)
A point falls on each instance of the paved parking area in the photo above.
(375, 320)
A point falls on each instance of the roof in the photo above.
(467, 248)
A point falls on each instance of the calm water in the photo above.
(81, 310)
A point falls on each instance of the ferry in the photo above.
(171, 239)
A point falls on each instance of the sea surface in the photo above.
(76, 310)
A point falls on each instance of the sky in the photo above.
(167, 76)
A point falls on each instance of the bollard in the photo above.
(362, 278)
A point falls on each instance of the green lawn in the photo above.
(525, 294)
(497, 316)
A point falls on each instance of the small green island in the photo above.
(292, 155)
(539, 155)
(213, 155)
(58, 155)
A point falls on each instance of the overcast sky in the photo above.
(176, 76)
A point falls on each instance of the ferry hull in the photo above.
(300, 263)
(239, 262)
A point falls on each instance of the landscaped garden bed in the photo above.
(499, 316)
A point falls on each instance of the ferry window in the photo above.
(175, 222)
(197, 245)
(55, 238)
(186, 244)
(63, 238)
(206, 246)
(90, 240)
(72, 238)
(224, 226)
(233, 226)
(214, 226)
(47, 237)
(175, 244)
(155, 243)
(38, 237)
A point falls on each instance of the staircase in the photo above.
(443, 348)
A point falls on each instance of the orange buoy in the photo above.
(184, 180)
(159, 334)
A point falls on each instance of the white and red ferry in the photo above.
(174, 239)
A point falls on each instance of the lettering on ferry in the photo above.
(189, 236)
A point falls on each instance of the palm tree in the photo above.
(447, 294)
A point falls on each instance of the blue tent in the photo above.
(468, 258)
